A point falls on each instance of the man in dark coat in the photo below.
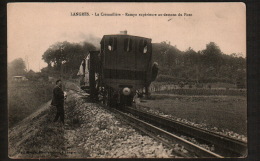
(58, 101)
(155, 69)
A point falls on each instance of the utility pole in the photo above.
(61, 66)
(26, 63)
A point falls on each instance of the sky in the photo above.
(33, 27)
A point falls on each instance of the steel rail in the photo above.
(231, 146)
(146, 127)
(153, 135)
(174, 139)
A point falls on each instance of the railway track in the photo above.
(163, 129)
(225, 146)
(168, 139)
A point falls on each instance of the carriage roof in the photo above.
(124, 35)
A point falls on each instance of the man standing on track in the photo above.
(58, 101)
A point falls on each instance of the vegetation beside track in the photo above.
(222, 113)
(215, 89)
(26, 97)
(230, 92)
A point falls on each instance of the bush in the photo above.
(168, 78)
(216, 79)
(205, 91)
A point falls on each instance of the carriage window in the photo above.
(128, 44)
(109, 47)
(112, 44)
(145, 49)
(143, 46)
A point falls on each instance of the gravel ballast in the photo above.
(90, 131)
(101, 135)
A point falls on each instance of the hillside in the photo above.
(25, 97)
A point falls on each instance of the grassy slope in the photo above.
(24, 98)
(36, 136)
(223, 112)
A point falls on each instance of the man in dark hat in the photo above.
(58, 101)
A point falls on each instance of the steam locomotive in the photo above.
(120, 70)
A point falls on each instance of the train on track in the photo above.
(122, 69)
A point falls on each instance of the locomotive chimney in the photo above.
(123, 32)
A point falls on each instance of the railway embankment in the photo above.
(25, 98)
(90, 131)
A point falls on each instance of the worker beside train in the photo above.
(58, 101)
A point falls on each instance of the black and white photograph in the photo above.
(127, 80)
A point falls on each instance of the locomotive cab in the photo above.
(126, 60)
(124, 66)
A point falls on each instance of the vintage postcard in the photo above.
(127, 80)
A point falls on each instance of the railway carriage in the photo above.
(122, 67)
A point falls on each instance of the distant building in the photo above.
(19, 78)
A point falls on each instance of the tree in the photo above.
(191, 57)
(54, 55)
(31, 75)
(192, 63)
(212, 59)
(66, 57)
(16, 67)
